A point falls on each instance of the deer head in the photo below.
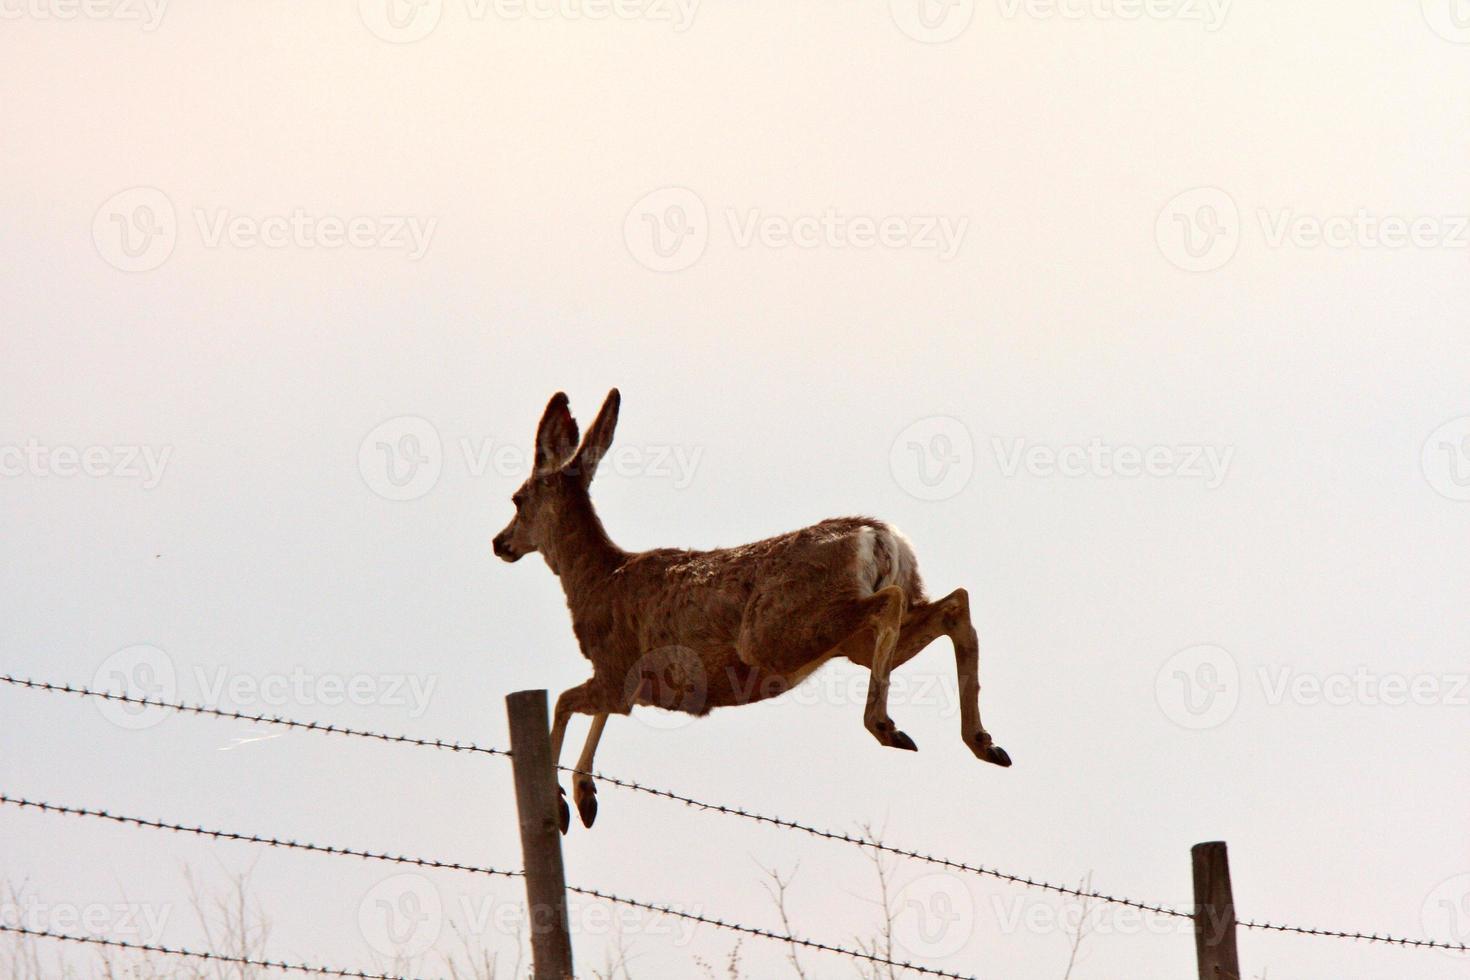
(557, 486)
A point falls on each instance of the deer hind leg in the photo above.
(950, 617)
(885, 625)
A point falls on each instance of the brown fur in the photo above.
(696, 630)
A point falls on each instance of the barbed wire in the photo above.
(78, 811)
(727, 810)
(201, 709)
(1388, 939)
(197, 954)
(661, 909)
(845, 838)
(610, 780)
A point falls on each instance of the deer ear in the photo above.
(556, 436)
(599, 437)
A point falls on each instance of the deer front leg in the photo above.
(574, 700)
(584, 791)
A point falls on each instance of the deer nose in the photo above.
(498, 545)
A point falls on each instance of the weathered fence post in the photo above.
(536, 804)
(1214, 913)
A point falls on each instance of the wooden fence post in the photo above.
(536, 804)
(1214, 913)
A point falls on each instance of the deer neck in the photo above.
(580, 552)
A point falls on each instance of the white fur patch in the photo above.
(907, 561)
(867, 559)
(880, 565)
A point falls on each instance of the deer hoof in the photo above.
(899, 740)
(987, 751)
(584, 791)
(587, 809)
(563, 812)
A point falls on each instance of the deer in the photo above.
(692, 631)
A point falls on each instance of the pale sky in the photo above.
(1145, 323)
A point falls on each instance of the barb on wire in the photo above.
(1360, 936)
(202, 709)
(197, 954)
(868, 842)
(767, 933)
(57, 808)
(1002, 875)
(635, 786)
(77, 811)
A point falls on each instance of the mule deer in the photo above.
(695, 630)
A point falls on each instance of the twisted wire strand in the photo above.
(1385, 938)
(57, 808)
(201, 709)
(196, 954)
(835, 835)
(727, 810)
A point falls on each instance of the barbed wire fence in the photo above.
(1216, 915)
